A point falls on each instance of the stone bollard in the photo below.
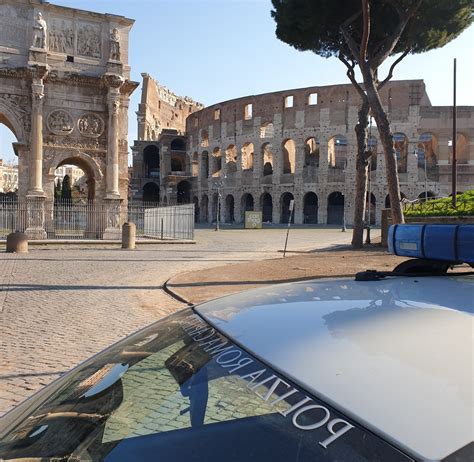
(17, 242)
(129, 232)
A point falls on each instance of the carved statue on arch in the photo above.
(40, 29)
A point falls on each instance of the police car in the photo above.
(373, 368)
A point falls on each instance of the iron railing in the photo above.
(41, 219)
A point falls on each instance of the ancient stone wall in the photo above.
(161, 109)
(262, 151)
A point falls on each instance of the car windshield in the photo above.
(180, 391)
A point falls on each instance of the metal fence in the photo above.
(95, 220)
(438, 206)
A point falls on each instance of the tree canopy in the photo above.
(316, 25)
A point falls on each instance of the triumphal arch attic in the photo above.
(64, 92)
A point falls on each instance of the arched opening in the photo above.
(151, 161)
(337, 152)
(311, 153)
(285, 202)
(205, 164)
(247, 157)
(400, 144)
(370, 209)
(229, 209)
(195, 164)
(216, 162)
(204, 209)
(266, 130)
(335, 208)
(266, 205)
(289, 156)
(387, 200)
(427, 150)
(8, 161)
(231, 158)
(204, 139)
(462, 152)
(310, 208)
(184, 192)
(73, 183)
(426, 195)
(151, 192)
(177, 164)
(246, 204)
(196, 209)
(267, 155)
(178, 144)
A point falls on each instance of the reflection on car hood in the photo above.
(396, 354)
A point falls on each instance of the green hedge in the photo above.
(443, 207)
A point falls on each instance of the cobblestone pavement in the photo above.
(59, 305)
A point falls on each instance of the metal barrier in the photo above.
(41, 219)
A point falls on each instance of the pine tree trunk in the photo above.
(361, 177)
(383, 126)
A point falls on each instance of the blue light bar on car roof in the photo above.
(453, 243)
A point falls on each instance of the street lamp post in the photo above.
(417, 155)
(369, 209)
(219, 184)
(343, 229)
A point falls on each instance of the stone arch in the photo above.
(335, 211)
(10, 119)
(400, 144)
(285, 213)
(311, 152)
(229, 209)
(85, 162)
(151, 192)
(178, 144)
(462, 149)
(288, 148)
(310, 208)
(268, 162)
(247, 204)
(387, 199)
(337, 152)
(195, 164)
(266, 206)
(184, 192)
(427, 148)
(267, 130)
(151, 161)
(231, 158)
(247, 156)
(216, 164)
(426, 195)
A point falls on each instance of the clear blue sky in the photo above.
(215, 50)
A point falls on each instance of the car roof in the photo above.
(396, 355)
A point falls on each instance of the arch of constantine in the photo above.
(64, 92)
(260, 152)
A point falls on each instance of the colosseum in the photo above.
(260, 152)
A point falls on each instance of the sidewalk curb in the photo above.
(174, 295)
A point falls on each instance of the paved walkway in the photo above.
(59, 305)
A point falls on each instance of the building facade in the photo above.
(64, 92)
(260, 152)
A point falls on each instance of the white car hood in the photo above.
(395, 355)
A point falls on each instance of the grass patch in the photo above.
(442, 207)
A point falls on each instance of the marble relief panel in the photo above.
(61, 36)
(89, 42)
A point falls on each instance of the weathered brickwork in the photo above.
(260, 152)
